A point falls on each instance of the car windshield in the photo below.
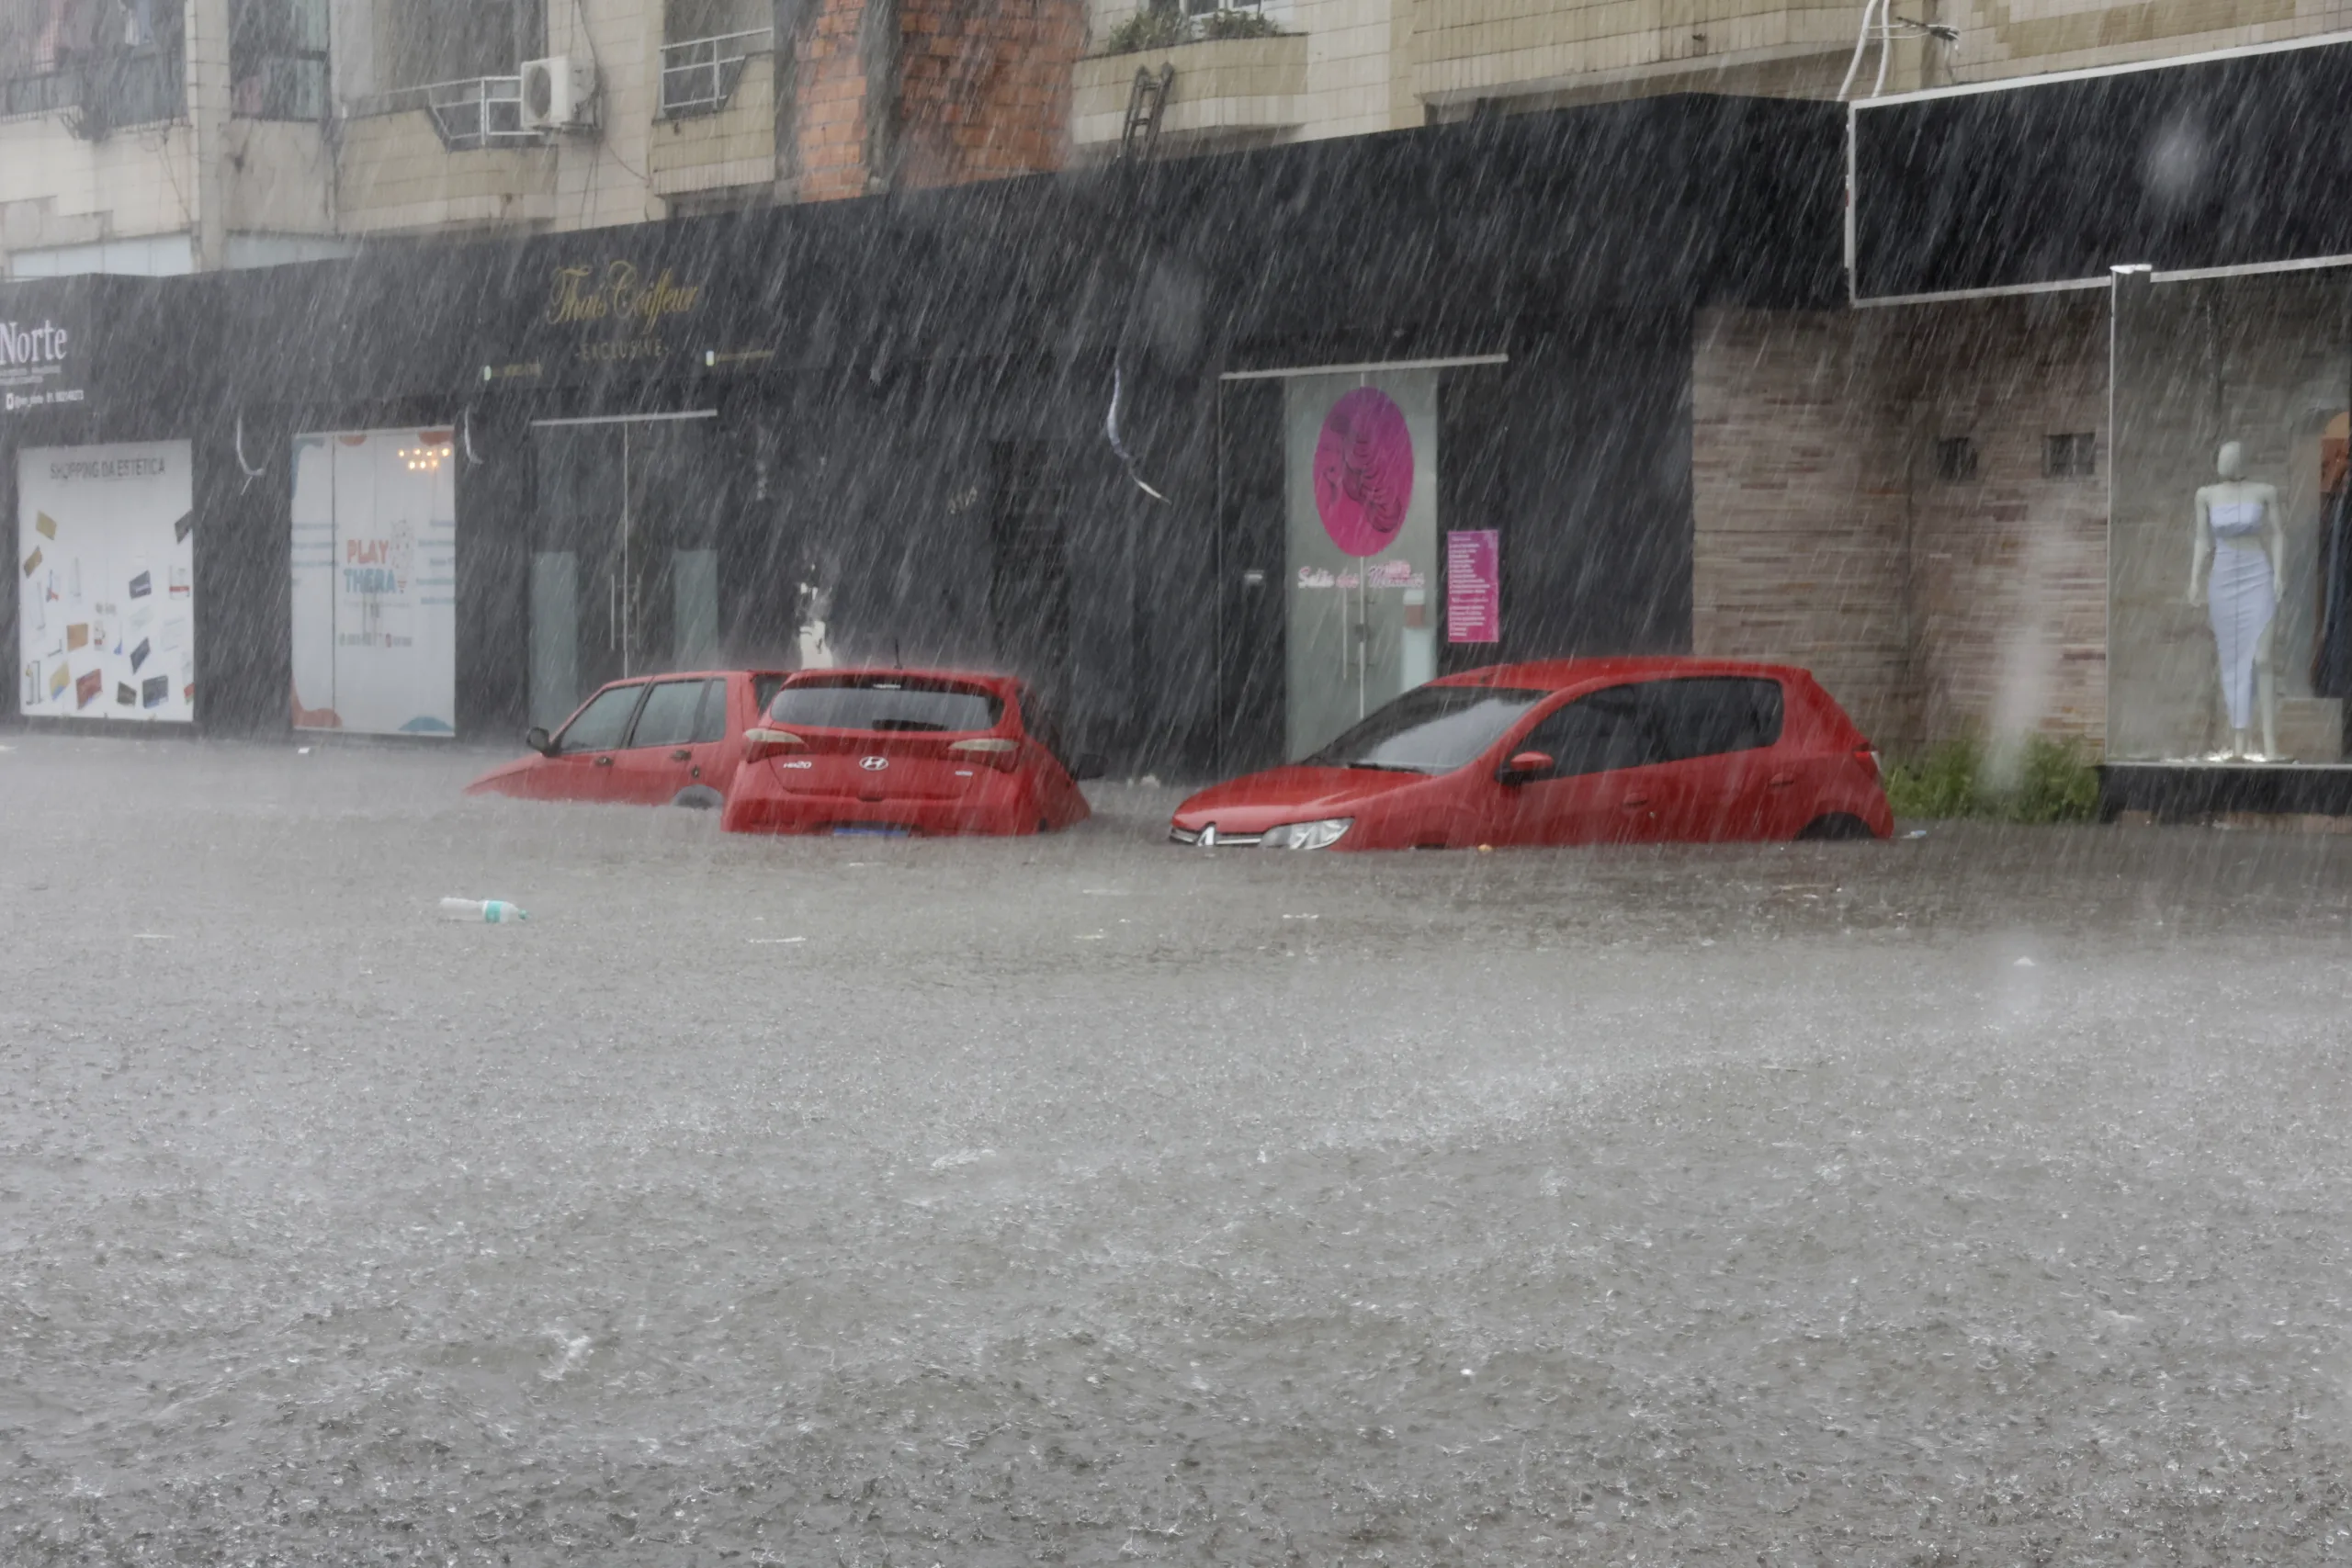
(1429, 729)
(886, 704)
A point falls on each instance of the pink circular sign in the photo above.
(1364, 471)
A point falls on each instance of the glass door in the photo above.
(1360, 465)
(624, 555)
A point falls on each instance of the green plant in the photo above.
(2048, 781)
(1162, 24)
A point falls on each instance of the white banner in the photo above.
(106, 595)
(374, 583)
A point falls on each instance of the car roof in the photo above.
(1559, 674)
(685, 675)
(1000, 683)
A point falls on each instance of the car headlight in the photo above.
(1306, 835)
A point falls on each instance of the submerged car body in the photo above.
(916, 751)
(649, 740)
(1568, 751)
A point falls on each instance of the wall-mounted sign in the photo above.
(374, 583)
(1474, 585)
(615, 312)
(44, 357)
(106, 610)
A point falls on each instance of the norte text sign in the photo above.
(44, 356)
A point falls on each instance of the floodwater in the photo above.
(1981, 1198)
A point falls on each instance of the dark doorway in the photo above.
(1029, 578)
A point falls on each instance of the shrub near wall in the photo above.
(2052, 782)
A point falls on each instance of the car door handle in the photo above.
(681, 755)
(1779, 781)
(1635, 802)
(604, 762)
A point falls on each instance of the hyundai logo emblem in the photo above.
(874, 764)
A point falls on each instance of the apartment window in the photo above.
(1956, 459)
(704, 45)
(683, 20)
(112, 63)
(2069, 457)
(278, 59)
(424, 42)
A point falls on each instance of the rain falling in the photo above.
(725, 712)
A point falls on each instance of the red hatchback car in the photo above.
(1571, 752)
(656, 741)
(904, 752)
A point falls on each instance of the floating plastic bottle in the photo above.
(494, 911)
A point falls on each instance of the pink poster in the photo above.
(1364, 471)
(1473, 586)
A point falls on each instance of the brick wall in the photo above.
(2009, 569)
(985, 86)
(983, 90)
(1799, 508)
(830, 127)
(1825, 535)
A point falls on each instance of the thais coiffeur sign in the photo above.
(610, 313)
(40, 361)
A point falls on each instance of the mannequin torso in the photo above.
(2237, 572)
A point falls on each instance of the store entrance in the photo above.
(624, 553)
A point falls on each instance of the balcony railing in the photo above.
(479, 111)
(105, 93)
(699, 75)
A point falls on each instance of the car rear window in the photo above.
(885, 704)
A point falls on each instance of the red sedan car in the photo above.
(1570, 751)
(904, 752)
(656, 741)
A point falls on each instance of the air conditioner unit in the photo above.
(558, 94)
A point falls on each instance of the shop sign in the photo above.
(43, 358)
(1474, 585)
(615, 312)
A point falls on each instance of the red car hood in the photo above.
(1258, 801)
(494, 782)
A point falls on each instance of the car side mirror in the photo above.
(536, 739)
(1525, 767)
(1087, 765)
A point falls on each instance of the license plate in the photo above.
(860, 830)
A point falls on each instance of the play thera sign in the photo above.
(39, 364)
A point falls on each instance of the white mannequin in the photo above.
(2237, 572)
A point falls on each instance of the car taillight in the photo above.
(995, 750)
(760, 744)
(1866, 755)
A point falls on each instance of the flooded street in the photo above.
(1979, 1198)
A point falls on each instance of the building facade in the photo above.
(1701, 411)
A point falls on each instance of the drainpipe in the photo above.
(206, 45)
(878, 51)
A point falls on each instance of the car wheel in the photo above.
(1837, 827)
(698, 798)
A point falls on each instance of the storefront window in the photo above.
(106, 608)
(375, 551)
(2228, 582)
